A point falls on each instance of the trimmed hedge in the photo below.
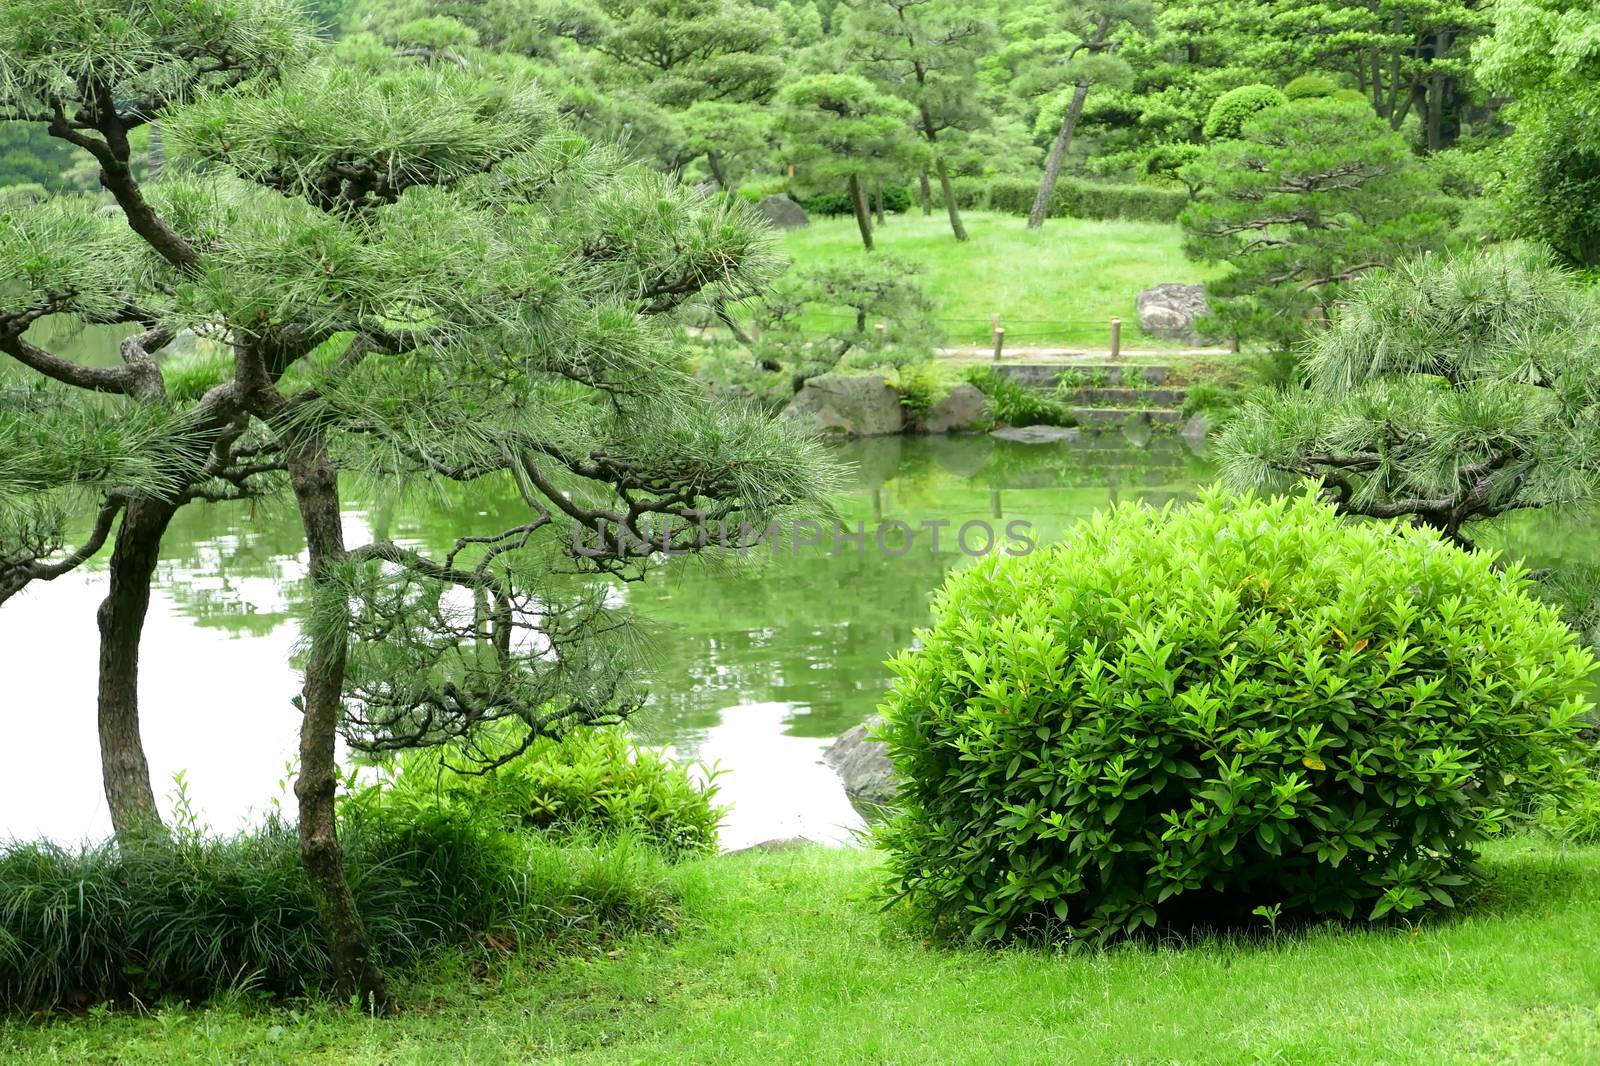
(896, 200)
(1074, 198)
(1243, 706)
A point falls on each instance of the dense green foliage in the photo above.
(591, 784)
(191, 918)
(1225, 121)
(1183, 716)
(1448, 390)
(1547, 53)
(1014, 404)
(1075, 198)
(1309, 196)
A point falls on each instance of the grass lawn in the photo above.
(788, 962)
(1061, 285)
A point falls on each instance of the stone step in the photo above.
(1097, 417)
(1094, 396)
(1049, 375)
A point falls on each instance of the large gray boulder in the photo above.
(1172, 311)
(863, 766)
(964, 409)
(783, 212)
(849, 405)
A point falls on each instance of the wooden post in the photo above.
(1116, 337)
(998, 335)
(882, 329)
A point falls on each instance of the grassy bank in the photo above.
(1061, 285)
(787, 961)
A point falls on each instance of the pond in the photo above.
(758, 665)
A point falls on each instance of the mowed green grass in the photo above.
(787, 960)
(1059, 286)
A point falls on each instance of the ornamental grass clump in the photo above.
(1180, 717)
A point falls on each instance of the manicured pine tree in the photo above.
(677, 54)
(925, 52)
(1310, 195)
(418, 274)
(842, 128)
(1448, 391)
(1096, 27)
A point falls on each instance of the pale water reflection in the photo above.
(760, 666)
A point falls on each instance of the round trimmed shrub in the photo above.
(1178, 717)
(1311, 86)
(1228, 115)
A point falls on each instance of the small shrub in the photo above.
(1211, 399)
(896, 199)
(590, 783)
(1012, 404)
(1307, 86)
(1233, 108)
(1184, 715)
(758, 187)
(920, 387)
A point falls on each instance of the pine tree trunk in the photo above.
(956, 225)
(877, 202)
(123, 767)
(714, 161)
(925, 191)
(316, 490)
(858, 200)
(1436, 89)
(945, 187)
(1058, 156)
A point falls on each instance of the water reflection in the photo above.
(760, 662)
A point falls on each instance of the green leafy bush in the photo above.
(1233, 108)
(590, 783)
(1179, 716)
(1013, 404)
(896, 199)
(920, 387)
(192, 918)
(1307, 86)
(1074, 198)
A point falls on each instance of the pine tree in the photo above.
(925, 52)
(841, 128)
(1311, 195)
(419, 274)
(1448, 391)
(1096, 29)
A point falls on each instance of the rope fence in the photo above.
(997, 331)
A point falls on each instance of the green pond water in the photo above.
(758, 666)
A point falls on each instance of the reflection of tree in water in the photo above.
(811, 629)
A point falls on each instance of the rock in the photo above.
(1172, 311)
(783, 212)
(964, 409)
(1038, 434)
(849, 405)
(1195, 431)
(779, 844)
(863, 766)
